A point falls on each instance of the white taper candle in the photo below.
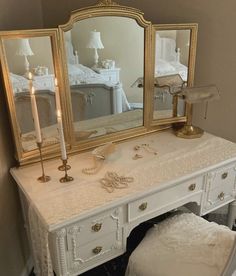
(57, 96)
(35, 115)
(61, 136)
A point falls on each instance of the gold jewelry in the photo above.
(145, 147)
(113, 181)
(137, 156)
(149, 149)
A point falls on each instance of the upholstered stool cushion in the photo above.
(182, 245)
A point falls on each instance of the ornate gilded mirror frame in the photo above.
(104, 9)
(146, 80)
(49, 150)
(193, 28)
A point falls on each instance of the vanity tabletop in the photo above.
(176, 160)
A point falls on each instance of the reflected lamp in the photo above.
(24, 50)
(95, 43)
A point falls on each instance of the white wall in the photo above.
(123, 41)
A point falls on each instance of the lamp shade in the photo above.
(95, 40)
(200, 94)
(24, 48)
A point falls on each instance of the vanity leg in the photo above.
(231, 214)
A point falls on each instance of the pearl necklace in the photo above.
(113, 181)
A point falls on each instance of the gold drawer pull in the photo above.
(192, 187)
(224, 175)
(97, 249)
(97, 227)
(143, 206)
(221, 196)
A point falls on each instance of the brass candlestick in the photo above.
(43, 178)
(65, 167)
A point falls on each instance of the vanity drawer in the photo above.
(220, 187)
(163, 198)
(223, 177)
(93, 228)
(101, 250)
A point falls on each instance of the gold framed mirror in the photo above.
(106, 59)
(105, 50)
(175, 54)
(32, 52)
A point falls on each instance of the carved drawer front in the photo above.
(93, 227)
(220, 186)
(158, 200)
(81, 258)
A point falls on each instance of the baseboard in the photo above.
(28, 267)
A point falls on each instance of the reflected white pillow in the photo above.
(163, 66)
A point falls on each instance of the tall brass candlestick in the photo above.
(43, 178)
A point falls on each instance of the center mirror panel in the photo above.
(104, 59)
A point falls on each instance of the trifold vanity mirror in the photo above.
(106, 60)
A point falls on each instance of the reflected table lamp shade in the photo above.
(95, 43)
(24, 50)
(174, 83)
(194, 95)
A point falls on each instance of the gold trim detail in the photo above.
(107, 3)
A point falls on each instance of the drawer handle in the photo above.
(143, 206)
(221, 196)
(224, 175)
(97, 227)
(192, 187)
(97, 249)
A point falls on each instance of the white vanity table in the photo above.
(87, 226)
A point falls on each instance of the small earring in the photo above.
(137, 148)
(137, 156)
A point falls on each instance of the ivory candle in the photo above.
(30, 81)
(61, 136)
(35, 115)
(57, 96)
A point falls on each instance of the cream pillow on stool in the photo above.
(182, 245)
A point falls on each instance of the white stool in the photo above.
(231, 214)
(183, 245)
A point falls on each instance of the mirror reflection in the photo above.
(171, 59)
(105, 56)
(34, 55)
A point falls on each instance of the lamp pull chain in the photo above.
(206, 110)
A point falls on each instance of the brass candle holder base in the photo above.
(64, 167)
(43, 178)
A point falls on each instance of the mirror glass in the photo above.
(105, 57)
(32, 54)
(172, 53)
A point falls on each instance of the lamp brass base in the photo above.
(189, 132)
(44, 178)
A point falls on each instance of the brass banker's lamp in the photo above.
(194, 95)
(177, 88)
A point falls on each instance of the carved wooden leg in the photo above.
(231, 214)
